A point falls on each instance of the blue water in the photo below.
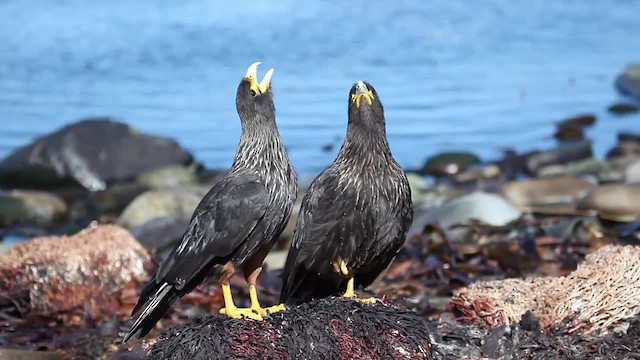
(476, 75)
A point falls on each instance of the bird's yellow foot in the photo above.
(255, 304)
(369, 300)
(269, 310)
(238, 313)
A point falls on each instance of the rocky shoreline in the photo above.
(105, 202)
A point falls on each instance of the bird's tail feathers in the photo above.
(160, 302)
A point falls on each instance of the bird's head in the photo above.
(364, 102)
(254, 98)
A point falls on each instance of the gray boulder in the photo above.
(628, 83)
(91, 153)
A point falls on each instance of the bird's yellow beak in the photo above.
(252, 76)
(362, 91)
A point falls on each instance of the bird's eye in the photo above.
(253, 93)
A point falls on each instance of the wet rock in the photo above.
(487, 208)
(623, 108)
(531, 193)
(168, 176)
(513, 163)
(628, 83)
(561, 155)
(171, 202)
(55, 274)
(448, 163)
(619, 202)
(573, 128)
(162, 232)
(628, 146)
(91, 153)
(31, 207)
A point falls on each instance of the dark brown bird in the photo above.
(238, 220)
(355, 215)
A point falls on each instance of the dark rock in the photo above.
(623, 108)
(91, 153)
(561, 155)
(628, 83)
(448, 163)
(628, 146)
(332, 328)
(579, 120)
(56, 274)
(112, 200)
(513, 163)
(573, 128)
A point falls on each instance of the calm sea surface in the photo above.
(453, 75)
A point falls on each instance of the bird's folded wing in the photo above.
(222, 222)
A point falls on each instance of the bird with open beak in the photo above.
(238, 220)
(355, 215)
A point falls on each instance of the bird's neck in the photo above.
(365, 144)
(260, 149)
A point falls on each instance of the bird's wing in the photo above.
(222, 221)
(328, 228)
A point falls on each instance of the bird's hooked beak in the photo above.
(252, 76)
(362, 91)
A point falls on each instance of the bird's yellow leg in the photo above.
(350, 292)
(255, 304)
(230, 308)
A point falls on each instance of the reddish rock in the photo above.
(49, 275)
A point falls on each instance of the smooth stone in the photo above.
(168, 176)
(417, 185)
(618, 202)
(545, 192)
(488, 208)
(632, 173)
(561, 155)
(92, 153)
(161, 233)
(31, 207)
(623, 108)
(628, 83)
(160, 203)
(604, 171)
(448, 163)
(275, 259)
